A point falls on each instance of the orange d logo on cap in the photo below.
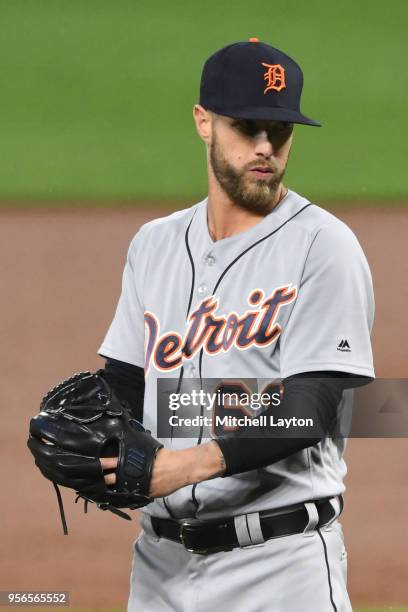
(274, 77)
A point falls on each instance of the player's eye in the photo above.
(239, 125)
(280, 132)
(247, 127)
(284, 127)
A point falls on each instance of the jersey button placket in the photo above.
(208, 261)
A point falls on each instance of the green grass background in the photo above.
(96, 96)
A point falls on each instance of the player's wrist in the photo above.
(204, 462)
(170, 472)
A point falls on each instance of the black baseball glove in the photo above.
(81, 420)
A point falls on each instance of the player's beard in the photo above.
(252, 195)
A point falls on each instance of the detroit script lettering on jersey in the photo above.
(215, 333)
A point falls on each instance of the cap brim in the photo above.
(270, 113)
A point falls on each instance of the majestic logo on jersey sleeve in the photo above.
(274, 77)
(217, 333)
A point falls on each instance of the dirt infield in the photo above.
(61, 275)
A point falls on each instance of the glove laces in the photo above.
(109, 507)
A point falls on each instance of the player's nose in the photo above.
(263, 144)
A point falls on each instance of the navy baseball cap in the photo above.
(252, 80)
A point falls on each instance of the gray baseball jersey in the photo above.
(292, 294)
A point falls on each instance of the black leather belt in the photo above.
(206, 537)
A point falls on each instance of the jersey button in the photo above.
(202, 289)
(210, 260)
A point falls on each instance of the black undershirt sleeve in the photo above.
(128, 382)
(243, 454)
(320, 392)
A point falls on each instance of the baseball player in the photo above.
(255, 281)
(251, 243)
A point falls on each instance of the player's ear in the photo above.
(203, 121)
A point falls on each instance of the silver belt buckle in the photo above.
(184, 536)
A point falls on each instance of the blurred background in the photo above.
(96, 138)
(96, 96)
